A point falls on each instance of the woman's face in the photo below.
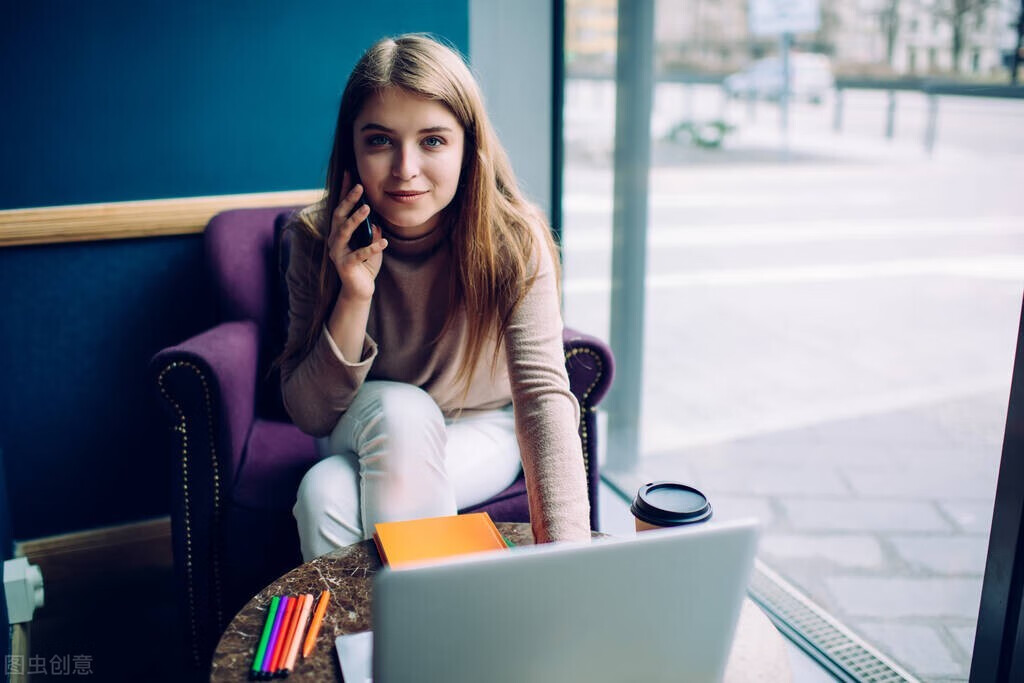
(408, 152)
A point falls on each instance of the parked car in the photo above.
(811, 78)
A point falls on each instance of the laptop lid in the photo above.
(661, 606)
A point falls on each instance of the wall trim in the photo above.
(124, 220)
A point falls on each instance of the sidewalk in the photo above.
(881, 520)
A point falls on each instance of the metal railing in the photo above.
(933, 89)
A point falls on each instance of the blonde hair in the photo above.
(493, 228)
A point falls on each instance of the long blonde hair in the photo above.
(493, 228)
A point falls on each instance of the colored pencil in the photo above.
(268, 656)
(286, 643)
(282, 636)
(257, 660)
(314, 628)
(305, 609)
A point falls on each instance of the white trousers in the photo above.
(393, 456)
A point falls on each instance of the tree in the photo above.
(1015, 64)
(889, 20)
(956, 13)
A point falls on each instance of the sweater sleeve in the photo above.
(546, 412)
(319, 387)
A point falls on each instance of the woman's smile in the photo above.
(405, 196)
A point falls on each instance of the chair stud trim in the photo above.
(584, 436)
(182, 429)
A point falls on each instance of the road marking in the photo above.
(666, 434)
(1008, 268)
(602, 203)
(748, 234)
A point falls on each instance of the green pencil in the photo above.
(257, 661)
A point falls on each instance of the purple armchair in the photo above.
(237, 458)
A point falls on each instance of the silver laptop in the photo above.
(661, 606)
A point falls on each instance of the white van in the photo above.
(810, 78)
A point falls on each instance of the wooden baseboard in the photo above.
(97, 552)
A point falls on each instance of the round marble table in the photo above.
(758, 652)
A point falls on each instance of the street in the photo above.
(831, 320)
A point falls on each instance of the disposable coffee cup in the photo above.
(662, 504)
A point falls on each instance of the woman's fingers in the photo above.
(345, 221)
(378, 245)
(344, 210)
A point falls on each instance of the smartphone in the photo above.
(362, 236)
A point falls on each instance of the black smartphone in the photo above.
(362, 236)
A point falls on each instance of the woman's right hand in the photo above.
(357, 269)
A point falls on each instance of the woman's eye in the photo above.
(377, 140)
(433, 141)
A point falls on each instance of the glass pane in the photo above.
(832, 308)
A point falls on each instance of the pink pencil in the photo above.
(306, 607)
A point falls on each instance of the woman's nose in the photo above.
(406, 163)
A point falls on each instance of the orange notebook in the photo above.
(404, 543)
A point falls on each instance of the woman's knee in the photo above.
(398, 412)
(394, 401)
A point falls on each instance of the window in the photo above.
(831, 319)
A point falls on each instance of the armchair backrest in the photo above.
(243, 253)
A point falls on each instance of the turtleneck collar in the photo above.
(417, 247)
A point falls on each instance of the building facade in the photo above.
(882, 38)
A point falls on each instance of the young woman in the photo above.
(429, 363)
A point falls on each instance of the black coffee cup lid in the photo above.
(668, 503)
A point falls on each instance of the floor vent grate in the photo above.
(843, 653)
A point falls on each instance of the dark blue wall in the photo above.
(77, 415)
(107, 101)
(137, 100)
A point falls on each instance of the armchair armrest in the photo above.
(591, 367)
(208, 387)
(210, 380)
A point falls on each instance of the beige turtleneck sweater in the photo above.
(407, 314)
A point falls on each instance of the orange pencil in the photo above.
(314, 628)
(289, 636)
(305, 608)
(275, 658)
